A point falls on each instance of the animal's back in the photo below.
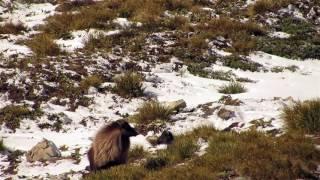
(106, 146)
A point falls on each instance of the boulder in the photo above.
(165, 138)
(176, 105)
(43, 151)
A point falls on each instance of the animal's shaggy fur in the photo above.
(111, 145)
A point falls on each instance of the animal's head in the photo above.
(126, 129)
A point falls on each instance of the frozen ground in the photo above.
(260, 102)
(263, 100)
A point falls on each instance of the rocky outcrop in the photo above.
(43, 151)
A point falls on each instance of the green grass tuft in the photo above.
(232, 88)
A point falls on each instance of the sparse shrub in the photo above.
(232, 88)
(90, 81)
(296, 26)
(294, 47)
(238, 62)
(244, 79)
(177, 22)
(93, 16)
(11, 115)
(99, 41)
(11, 28)
(198, 69)
(151, 111)
(262, 6)
(73, 5)
(277, 69)
(43, 45)
(303, 116)
(129, 84)
(156, 163)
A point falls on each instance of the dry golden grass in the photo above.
(262, 6)
(151, 111)
(11, 28)
(303, 116)
(43, 45)
(129, 84)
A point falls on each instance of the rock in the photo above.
(165, 138)
(226, 114)
(233, 125)
(43, 151)
(176, 105)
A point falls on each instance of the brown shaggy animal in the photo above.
(111, 145)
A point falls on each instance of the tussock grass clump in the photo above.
(303, 116)
(183, 147)
(90, 81)
(94, 16)
(11, 115)
(151, 111)
(155, 163)
(232, 88)
(11, 28)
(129, 84)
(262, 6)
(73, 5)
(137, 153)
(43, 45)
(250, 154)
(99, 41)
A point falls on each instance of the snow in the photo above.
(259, 102)
(79, 38)
(264, 99)
(8, 48)
(30, 15)
(281, 35)
(123, 22)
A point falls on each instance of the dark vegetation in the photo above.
(11, 115)
(229, 154)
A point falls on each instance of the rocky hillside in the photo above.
(235, 81)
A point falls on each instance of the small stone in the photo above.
(176, 105)
(226, 114)
(43, 151)
(233, 125)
